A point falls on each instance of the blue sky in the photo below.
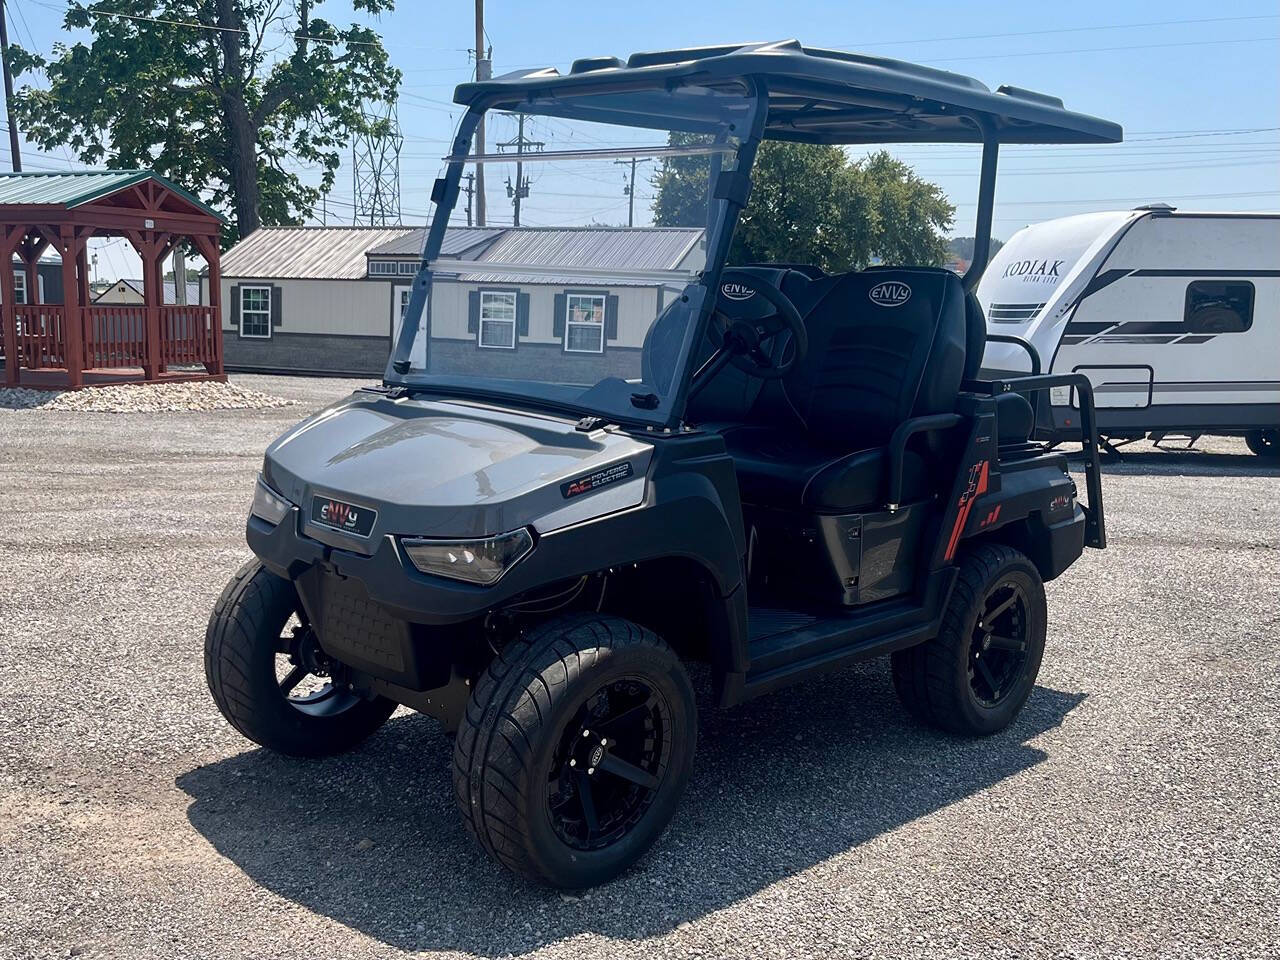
(1182, 78)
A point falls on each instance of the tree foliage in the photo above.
(226, 96)
(811, 204)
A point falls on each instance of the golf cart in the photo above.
(600, 453)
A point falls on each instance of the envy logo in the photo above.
(343, 516)
(890, 293)
(736, 291)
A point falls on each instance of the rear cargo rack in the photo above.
(1095, 524)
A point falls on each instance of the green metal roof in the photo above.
(76, 187)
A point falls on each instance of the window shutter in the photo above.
(235, 307)
(276, 302)
(522, 314)
(473, 311)
(611, 318)
(562, 307)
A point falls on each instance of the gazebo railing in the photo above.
(42, 335)
(188, 335)
(115, 336)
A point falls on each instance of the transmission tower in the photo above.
(375, 166)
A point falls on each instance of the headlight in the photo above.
(269, 505)
(476, 561)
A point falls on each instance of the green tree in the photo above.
(811, 204)
(224, 95)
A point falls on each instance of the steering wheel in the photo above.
(743, 341)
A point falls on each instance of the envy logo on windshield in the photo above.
(890, 293)
(345, 517)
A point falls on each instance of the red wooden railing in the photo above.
(42, 340)
(115, 336)
(187, 335)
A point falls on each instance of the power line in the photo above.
(1089, 29)
(1136, 46)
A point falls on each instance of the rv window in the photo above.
(1219, 306)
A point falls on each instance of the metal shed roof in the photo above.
(457, 240)
(76, 187)
(815, 95)
(597, 248)
(295, 253)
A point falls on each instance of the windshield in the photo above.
(565, 264)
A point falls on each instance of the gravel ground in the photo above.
(1133, 809)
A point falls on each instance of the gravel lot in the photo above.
(1133, 810)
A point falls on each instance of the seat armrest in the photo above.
(898, 448)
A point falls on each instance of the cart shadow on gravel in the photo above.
(372, 840)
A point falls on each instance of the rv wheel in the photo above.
(270, 678)
(974, 677)
(1265, 443)
(575, 749)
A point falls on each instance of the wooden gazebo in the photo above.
(75, 343)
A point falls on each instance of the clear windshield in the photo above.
(578, 283)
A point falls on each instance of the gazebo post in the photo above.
(10, 237)
(72, 326)
(208, 248)
(152, 296)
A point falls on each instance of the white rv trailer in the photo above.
(1174, 317)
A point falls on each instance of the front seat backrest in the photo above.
(885, 345)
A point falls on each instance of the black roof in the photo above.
(820, 96)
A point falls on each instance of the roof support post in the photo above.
(986, 203)
(72, 322)
(10, 237)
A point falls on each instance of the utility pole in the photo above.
(8, 91)
(469, 190)
(630, 188)
(180, 275)
(484, 68)
(521, 188)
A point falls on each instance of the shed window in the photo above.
(584, 323)
(255, 312)
(497, 319)
(382, 268)
(408, 268)
(1219, 306)
(19, 286)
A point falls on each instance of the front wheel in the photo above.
(975, 676)
(575, 749)
(270, 678)
(1265, 443)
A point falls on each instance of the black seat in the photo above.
(884, 346)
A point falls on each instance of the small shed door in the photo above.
(399, 303)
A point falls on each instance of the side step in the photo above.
(787, 647)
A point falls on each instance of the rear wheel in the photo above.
(270, 678)
(1265, 443)
(975, 676)
(575, 749)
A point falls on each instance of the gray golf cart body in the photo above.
(617, 482)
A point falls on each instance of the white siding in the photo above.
(352, 307)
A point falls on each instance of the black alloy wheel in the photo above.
(575, 749)
(609, 765)
(998, 649)
(976, 674)
(270, 677)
